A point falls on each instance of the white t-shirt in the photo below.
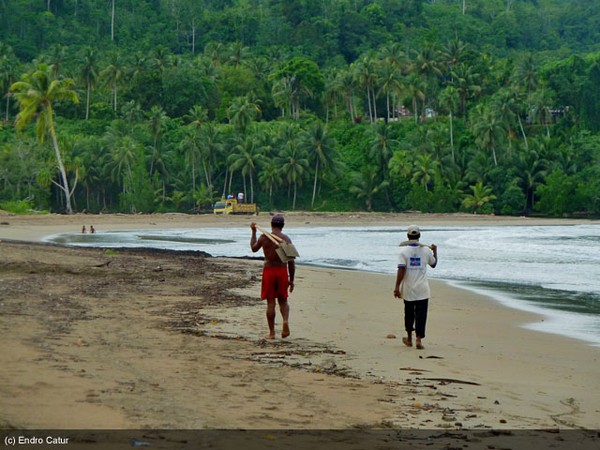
(415, 259)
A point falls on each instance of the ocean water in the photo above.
(550, 270)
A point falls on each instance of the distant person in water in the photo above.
(92, 229)
(412, 284)
(277, 276)
(83, 230)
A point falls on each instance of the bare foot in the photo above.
(407, 341)
(270, 336)
(285, 332)
(419, 345)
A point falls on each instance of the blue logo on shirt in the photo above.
(415, 261)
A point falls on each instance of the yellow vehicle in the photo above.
(231, 206)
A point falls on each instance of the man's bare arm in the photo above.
(434, 249)
(255, 244)
(292, 273)
(399, 278)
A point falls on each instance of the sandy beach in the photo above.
(148, 339)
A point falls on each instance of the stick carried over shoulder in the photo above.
(413, 242)
(285, 250)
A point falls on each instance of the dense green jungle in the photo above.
(479, 106)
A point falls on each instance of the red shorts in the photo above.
(275, 283)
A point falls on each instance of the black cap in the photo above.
(278, 219)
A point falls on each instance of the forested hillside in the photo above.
(388, 105)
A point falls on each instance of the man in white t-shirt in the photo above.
(412, 284)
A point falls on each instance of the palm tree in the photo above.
(424, 170)
(8, 65)
(294, 164)
(449, 100)
(393, 55)
(112, 76)
(391, 86)
(137, 66)
(189, 146)
(247, 157)
(480, 196)
(416, 89)
(453, 53)
(211, 146)
(531, 168)
(347, 82)
(215, 52)
(124, 157)
(427, 67)
(366, 76)
(401, 164)
(36, 93)
(540, 110)
(365, 184)
(157, 119)
(270, 176)
(382, 145)
(509, 104)
(243, 111)
(321, 148)
(488, 129)
(89, 152)
(197, 117)
(132, 113)
(161, 59)
(332, 94)
(526, 76)
(466, 82)
(56, 58)
(282, 92)
(479, 166)
(237, 53)
(112, 21)
(89, 75)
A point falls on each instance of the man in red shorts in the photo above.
(275, 278)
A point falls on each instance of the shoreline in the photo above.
(547, 320)
(552, 324)
(36, 228)
(481, 366)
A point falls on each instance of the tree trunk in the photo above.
(87, 101)
(369, 103)
(415, 109)
(374, 105)
(112, 24)
(230, 180)
(451, 137)
(388, 106)
(523, 132)
(7, 105)
(193, 36)
(295, 192)
(225, 184)
(312, 204)
(63, 172)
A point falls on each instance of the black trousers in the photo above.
(415, 316)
